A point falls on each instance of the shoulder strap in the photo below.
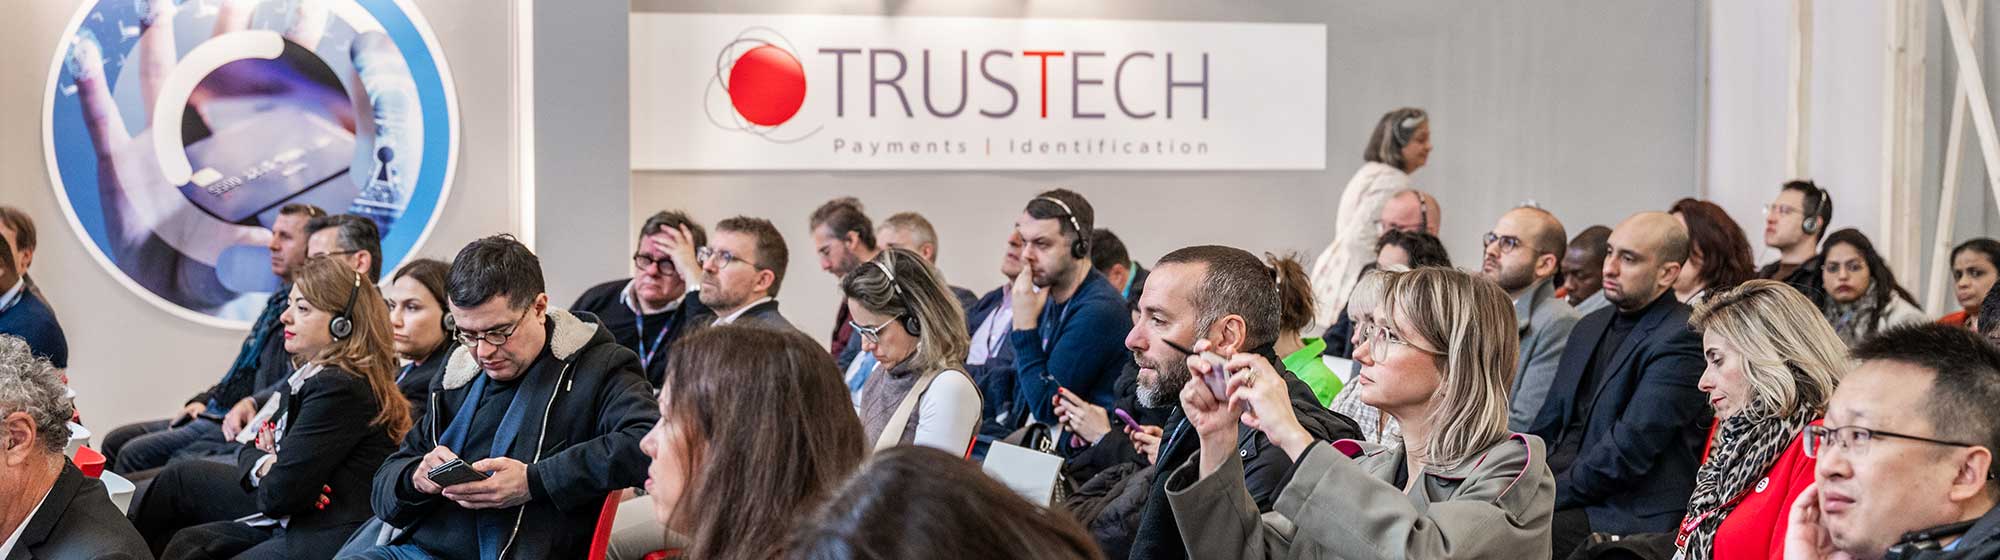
(892, 433)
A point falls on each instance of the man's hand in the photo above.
(238, 417)
(1081, 417)
(507, 487)
(1028, 300)
(190, 411)
(1805, 538)
(679, 246)
(422, 478)
(1146, 439)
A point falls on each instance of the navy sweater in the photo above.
(34, 322)
(1085, 350)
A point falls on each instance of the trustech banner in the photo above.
(764, 92)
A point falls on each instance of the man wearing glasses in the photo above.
(547, 409)
(651, 310)
(352, 239)
(1905, 455)
(741, 270)
(1794, 224)
(1523, 253)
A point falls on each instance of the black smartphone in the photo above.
(455, 473)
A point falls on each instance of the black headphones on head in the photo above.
(342, 326)
(1081, 247)
(1812, 222)
(909, 319)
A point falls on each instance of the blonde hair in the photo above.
(1791, 356)
(918, 291)
(1368, 291)
(367, 351)
(1469, 322)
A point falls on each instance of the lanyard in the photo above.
(406, 371)
(1055, 328)
(646, 351)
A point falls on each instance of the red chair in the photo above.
(601, 538)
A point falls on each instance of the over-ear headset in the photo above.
(909, 319)
(341, 326)
(1812, 223)
(1080, 248)
(1423, 215)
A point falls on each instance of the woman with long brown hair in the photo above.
(1718, 253)
(915, 502)
(756, 429)
(305, 486)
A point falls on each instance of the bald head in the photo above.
(1643, 256)
(1412, 210)
(1544, 232)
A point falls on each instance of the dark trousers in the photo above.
(186, 494)
(225, 539)
(391, 552)
(1568, 531)
(147, 445)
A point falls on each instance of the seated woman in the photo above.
(1771, 368)
(421, 326)
(915, 331)
(756, 429)
(1863, 296)
(912, 503)
(1438, 357)
(308, 480)
(1295, 312)
(1973, 266)
(1375, 427)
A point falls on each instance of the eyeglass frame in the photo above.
(465, 337)
(1782, 210)
(662, 265)
(330, 254)
(705, 254)
(1370, 333)
(872, 335)
(1814, 436)
(1490, 238)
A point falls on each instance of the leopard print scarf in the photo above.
(1745, 447)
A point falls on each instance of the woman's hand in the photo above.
(1213, 417)
(1256, 389)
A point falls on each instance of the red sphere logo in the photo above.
(767, 85)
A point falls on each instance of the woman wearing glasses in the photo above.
(1771, 368)
(913, 334)
(1438, 357)
(1863, 296)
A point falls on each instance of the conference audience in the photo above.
(1300, 355)
(990, 360)
(1905, 458)
(27, 316)
(18, 230)
(1218, 300)
(843, 237)
(547, 406)
(1794, 224)
(1067, 317)
(48, 508)
(911, 232)
(1520, 256)
(1437, 357)
(1398, 147)
(353, 240)
(260, 362)
(913, 503)
(1624, 412)
(913, 336)
(754, 431)
(1375, 427)
(1718, 254)
(653, 308)
(1109, 256)
(303, 489)
(1863, 297)
(744, 294)
(1411, 249)
(1583, 270)
(1973, 269)
(420, 327)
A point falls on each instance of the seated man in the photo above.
(1109, 256)
(991, 359)
(352, 239)
(548, 406)
(1624, 417)
(1522, 256)
(48, 508)
(912, 232)
(1225, 297)
(25, 315)
(1906, 453)
(843, 237)
(1066, 316)
(260, 362)
(651, 310)
(746, 294)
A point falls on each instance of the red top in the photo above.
(1756, 528)
(1955, 319)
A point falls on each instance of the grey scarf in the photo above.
(1853, 321)
(880, 396)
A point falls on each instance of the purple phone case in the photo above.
(1217, 378)
(1122, 415)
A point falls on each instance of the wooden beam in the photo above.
(1975, 88)
(1900, 235)
(1939, 284)
(1798, 105)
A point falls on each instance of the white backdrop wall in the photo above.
(1586, 107)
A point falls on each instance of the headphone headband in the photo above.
(342, 325)
(1067, 213)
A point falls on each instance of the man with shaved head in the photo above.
(1523, 253)
(1624, 417)
(1412, 211)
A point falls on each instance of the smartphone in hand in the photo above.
(455, 473)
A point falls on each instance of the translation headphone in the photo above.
(1081, 247)
(1423, 215)
(341, 326)
(909, 319)
(1812, 222)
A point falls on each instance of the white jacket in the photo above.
(1355, 231)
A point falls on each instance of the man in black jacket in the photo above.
(549, 407)
(48, 509)
(651, 310)
(1228, 298)
(1624, 419)
(1794, 224)
(991, 359)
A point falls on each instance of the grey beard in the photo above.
(1167, 393)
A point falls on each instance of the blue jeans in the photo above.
(147, 445)
(391, 552)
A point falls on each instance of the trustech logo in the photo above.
(765, 84)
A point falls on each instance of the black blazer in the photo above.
(77, 520)
(328, 442)
(416, 385)
(1643, 439)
